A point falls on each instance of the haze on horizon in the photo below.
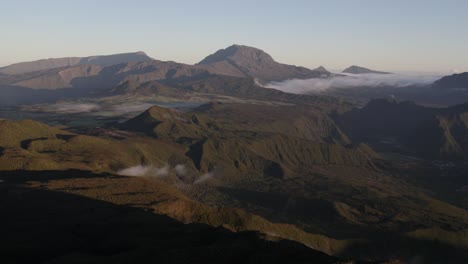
(423, 36)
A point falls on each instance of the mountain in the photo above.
(361, 70)
(322, 70)
(258, 64)
(455, 81)
(46, 64)
(226, 142)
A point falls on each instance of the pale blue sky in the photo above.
(397, 35)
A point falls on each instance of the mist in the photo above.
(317, 85)
(180, 169)
(203, 178)
(67, 108)
(131, 107)
(140, 170)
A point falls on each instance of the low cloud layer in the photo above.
(181, 171)
(68, 108)
(108, 109)
(350, 81)
(150, 171)
(129, 108)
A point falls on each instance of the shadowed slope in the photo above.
(56, 226)
(455, 81)
(428, 132)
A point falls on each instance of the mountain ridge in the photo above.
(51, 63)
(112, 70)
(454, 81)
(361, 70)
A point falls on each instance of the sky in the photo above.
(397, 35)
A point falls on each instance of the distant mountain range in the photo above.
(111, 70)
(136, 73)
(361, 70)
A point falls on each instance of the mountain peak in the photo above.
(238, 53)
(354, 69)
(321, 69)
(254, 62)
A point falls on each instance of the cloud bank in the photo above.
(315, 85)
(68, 108)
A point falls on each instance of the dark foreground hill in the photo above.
(49, 223)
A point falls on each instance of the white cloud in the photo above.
(140, 170)
(180, 169)
(72, 108)
(203, 178)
